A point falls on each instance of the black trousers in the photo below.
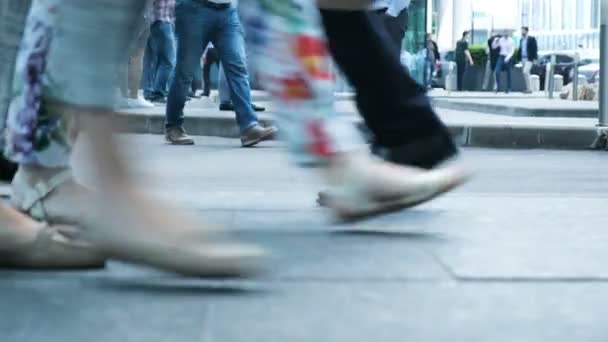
(211, 58)
(461, 67)
(395, 27)
(394, 107)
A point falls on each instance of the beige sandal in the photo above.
(34, 198)
(52, 250)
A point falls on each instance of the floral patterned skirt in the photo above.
(69, 55)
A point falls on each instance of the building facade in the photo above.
(563, 24)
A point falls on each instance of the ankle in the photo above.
(34, 172)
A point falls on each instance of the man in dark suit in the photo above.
(528, 54)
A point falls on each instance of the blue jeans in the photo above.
(502, 64)
(223, 87)
(196, 25)
(162, 59)
(149, 71)
(429, 68)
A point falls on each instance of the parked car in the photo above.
(564, 66)
(590, 69)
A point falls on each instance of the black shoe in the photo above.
(425, 153)
(226, 107)
(229, 107)
(157, 99)
(258, 108)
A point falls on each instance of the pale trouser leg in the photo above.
(13, 14)
(487, 76)
(527, 67)
(289, 49)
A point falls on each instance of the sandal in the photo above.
(52, 250)
(39, 198)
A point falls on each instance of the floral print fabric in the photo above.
(36, 134)
(70, 52)
(290, 51)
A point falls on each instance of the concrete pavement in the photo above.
(516, 255)
(469, 128)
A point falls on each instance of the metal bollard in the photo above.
(602, 132)
(604, 65)
(549, 77)
(574, 80)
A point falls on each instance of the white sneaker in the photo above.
(139, 103)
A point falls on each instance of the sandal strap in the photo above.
(33, 203)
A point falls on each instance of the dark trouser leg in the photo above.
(396, 28)
(210, 60)
(461, 67)
(394, 106)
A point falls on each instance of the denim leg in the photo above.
(230, 45)
(499, 66)
(509, 83)
(164, 49)
(223, 87)
(149, 71)
(192, 26)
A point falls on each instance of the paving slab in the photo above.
(515, 255)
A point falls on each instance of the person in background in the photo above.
(199, 22)
(394, 17)
(489, 81)
(211, 59)
(131, 79)
(161, 50)
(506, 47)
(527, 54)
(432, 56)
(463, 58)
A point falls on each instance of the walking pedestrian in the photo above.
(300, 81)
(431, 57)
(489, 80)
(161, 49)
(527, 54)
(116, 219)
(211, 58)
(507, 49)
(463, 58)
(199, 22)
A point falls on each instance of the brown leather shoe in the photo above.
(257, 134)
(178, 136)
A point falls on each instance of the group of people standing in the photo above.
(502, 56)
(54, 222)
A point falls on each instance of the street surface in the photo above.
(519, 254)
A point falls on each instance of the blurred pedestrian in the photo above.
(489, 80)
(431, 57)
(463, 59)
(211, 59)
(302, 84)
(161, 50)
(504, 63)
(119, 221)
